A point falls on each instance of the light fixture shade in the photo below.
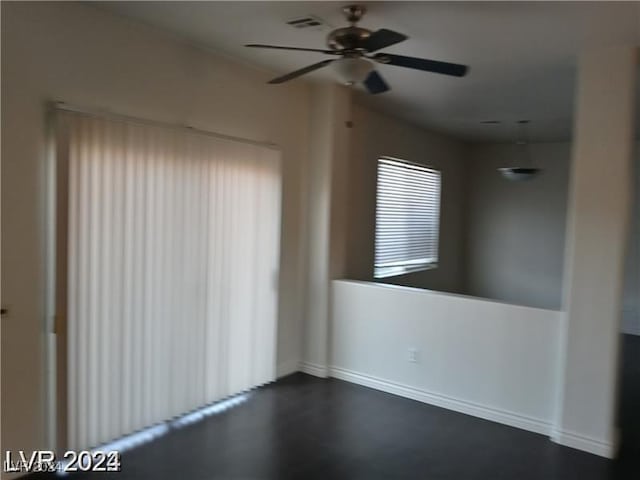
(519, 173)
(352, 70)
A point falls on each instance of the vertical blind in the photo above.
(173, 251)
(407, 217)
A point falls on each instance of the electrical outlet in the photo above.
(412, 355)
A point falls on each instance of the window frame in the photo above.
(405, 267)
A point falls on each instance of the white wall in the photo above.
(515, 230)
(330, 108)
(84, 56)
(375, 135)
(480, 357)
(599, 214)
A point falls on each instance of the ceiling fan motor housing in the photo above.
(351, 37)
(348, 38)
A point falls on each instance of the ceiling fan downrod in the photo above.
(354, 13)
(350, 39)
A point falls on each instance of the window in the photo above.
(407, 217)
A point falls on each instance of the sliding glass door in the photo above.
(170, 241)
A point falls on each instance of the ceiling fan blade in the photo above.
(375, 83)
(302, 71)
(279, 47)
(445, 68)
(382, 38)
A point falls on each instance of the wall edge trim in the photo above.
(606, 449)
(314, 369)
(461, 406)
(287, 368)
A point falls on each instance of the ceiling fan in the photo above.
(356, 46)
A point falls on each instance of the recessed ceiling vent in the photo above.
(307, 21)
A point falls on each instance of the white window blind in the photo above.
(407, 217)
(173, 251)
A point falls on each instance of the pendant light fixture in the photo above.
(524, 170)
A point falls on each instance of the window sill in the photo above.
(405, 271)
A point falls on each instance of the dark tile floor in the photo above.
(307, 428)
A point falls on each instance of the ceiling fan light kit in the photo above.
(353, 70)
(355, 47)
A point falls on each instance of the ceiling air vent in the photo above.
(307, 21)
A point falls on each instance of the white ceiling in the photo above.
(522, 55)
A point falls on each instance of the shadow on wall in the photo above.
(515, 230)
(374, 136)
(631, 298)
(499, 239)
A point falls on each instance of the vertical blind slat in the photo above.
(174, 241)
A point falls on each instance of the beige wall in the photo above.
(516, 230)
(631, 296)
(329, 146)
(515, 234)
(375, 135)
(80, 55)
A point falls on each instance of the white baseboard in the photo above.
(565, 438)
(287, 368)
(314, 369)
(488, 413)
(586, 444)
